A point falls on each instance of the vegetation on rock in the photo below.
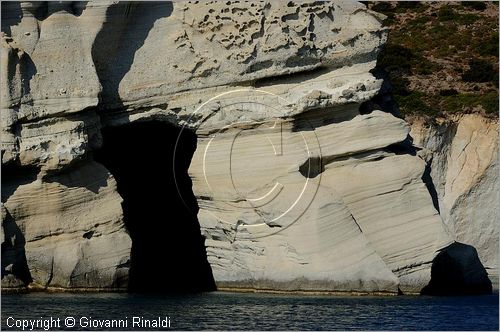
(441, 57)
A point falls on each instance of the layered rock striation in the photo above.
(303, 181)
(461, 152)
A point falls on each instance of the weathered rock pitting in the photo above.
(298, 190)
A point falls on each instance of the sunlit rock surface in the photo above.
(69, 229)
(462, 153)
(303, 182)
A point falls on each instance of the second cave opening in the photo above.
(168, 252)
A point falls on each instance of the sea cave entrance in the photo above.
(168, 252)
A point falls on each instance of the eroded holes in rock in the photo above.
(168, 252)
(312, 167)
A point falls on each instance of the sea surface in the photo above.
(240, 311)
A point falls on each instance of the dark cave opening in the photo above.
(168, 251)
(457, 270)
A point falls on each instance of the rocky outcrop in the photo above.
(302, 182)
(65, 230)
(462, 156)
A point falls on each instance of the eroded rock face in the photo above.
(67, 228)
(297, 175)
(462, 153)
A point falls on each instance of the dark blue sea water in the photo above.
(230, 311)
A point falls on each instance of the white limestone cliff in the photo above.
(462, 153)
(298, 183)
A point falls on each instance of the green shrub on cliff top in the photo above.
(427, 38)
(466, 101)
(477, 5)
(414, 103)
(489, 46)
(479, 71)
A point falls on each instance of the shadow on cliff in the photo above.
(11, 14)
(168, 252)
(14, 261)
(20, 60)
(81, 174)
(124, 32)
(14, 176)
(457, 270)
